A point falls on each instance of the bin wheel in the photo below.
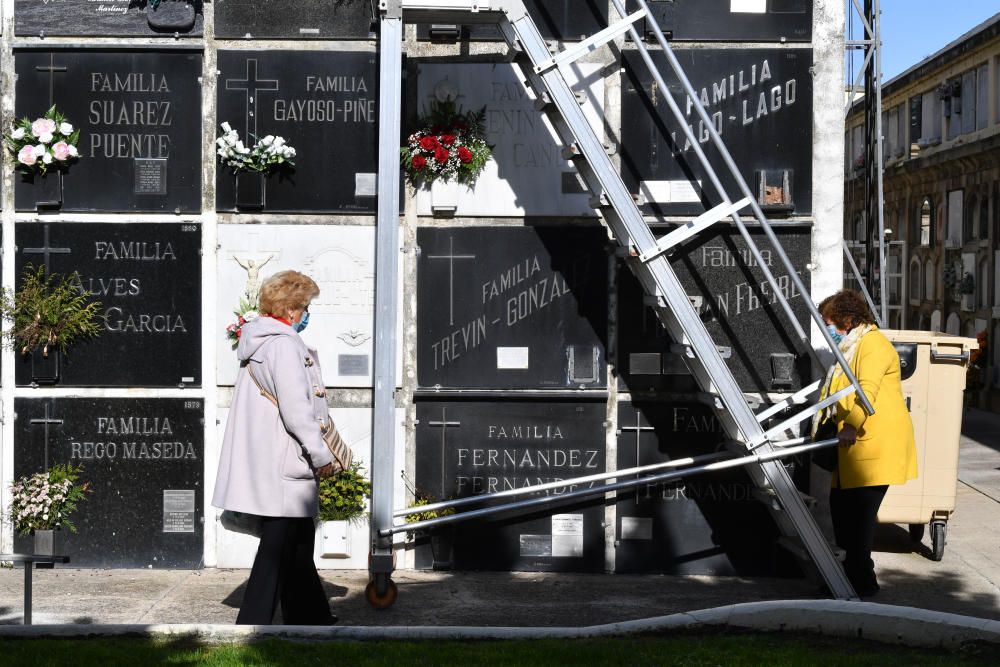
(916, 532)
(384, 598)
(939, 529)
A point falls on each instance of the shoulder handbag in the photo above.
(240, 522)
(826, 458)
(339, 450)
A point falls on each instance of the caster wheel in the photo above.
(386, 598)
(916, 532)
(939, 530)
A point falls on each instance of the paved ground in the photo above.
(966, 581)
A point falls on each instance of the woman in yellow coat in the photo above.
(875, 450)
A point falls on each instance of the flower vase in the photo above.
(444, 198)
(171, 16)
(48, 190)
(45, 545)
(335, 538)
(251, 187)
(45, 369)
(442, 547)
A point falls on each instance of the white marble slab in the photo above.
(341, 259)
(527, 175)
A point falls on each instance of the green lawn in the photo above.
(700, 649)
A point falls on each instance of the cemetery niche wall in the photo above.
(759, 100)
(730, 20)
(306, 19)
(144, 461)
(527, 175)
(466, 448)
(562, 20)
(148, 280)
(324, 104)
(139, 121)
(737, 305)
(121, 18)
(512, 307)
(702, 524)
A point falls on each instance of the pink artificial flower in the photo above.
(60, 150)
(43, 126)
(26, 156)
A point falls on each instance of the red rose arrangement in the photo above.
(450, 144)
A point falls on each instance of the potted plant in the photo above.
(449, 148)
(41, 503)
(172, 15)
(343, 501)
(251, 165)
(48, 313)
(43, 149)
(442, 539)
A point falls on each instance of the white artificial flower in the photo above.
(73, 153)
(39, 150)
(268, 140)
(251, 315)
(17, 134)
(226, 128)
(66, 128)
(45, 137)
(279, 142)
(47, 158)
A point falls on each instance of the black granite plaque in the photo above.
(148, 280)
(101, 18)
(145, 462)
(305, 19)
(472, 448)
(564, 20)
(702, 524)
(731, 20)
(129, 105)
(761, 102)
(512, 307)
(324, 104)
(739, 308)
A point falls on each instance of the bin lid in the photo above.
(932, 338)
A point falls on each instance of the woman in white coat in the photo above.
(274, 456)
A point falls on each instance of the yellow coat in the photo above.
(885, 451)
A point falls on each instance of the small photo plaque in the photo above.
(352, 364)
(150, 176)
(512, 358)
(637, 528)
(178, 511)
(536, 545)
(567, 535)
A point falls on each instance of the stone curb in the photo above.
(868, 620)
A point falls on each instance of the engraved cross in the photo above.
(251, 84)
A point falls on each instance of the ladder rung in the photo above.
(703, 221)
(768, 497)
(543, 101)
(592, 43)
(571, 151)
(599, 201)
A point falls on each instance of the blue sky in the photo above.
(915, 29)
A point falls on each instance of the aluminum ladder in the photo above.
(644, 253)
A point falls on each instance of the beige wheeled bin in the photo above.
(933, 369)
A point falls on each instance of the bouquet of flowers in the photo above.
(45, 500)
(44, 143)
(451, 144)
(244, 313)
(268, 153)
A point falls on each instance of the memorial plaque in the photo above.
(324, 105)
(708, 523)
(139, 118)
(119, 18)
(147, 278)
(341, 259)
(307, 19)
(471, 448)
(730, 20)
(144, 459)
(527, 175)
(759, 100)
(563, 20)
(512, 307)
(738, 307)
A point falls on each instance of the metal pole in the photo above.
(861, 283)
(608, 488)
(745, 189)
(879, 191)
(28, 566)
(386, 272)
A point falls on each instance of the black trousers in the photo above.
(284, 570)
(855, 515)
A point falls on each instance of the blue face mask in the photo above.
(836, 335)
(302, 324)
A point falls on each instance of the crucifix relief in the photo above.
(46, 421)
(451, 257)
(251, 85)
(46, 250)
(444, 425)
(639, 429)
(51, 68)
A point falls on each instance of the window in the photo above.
(969, 102)
(955, 218)
(925, 221)
(915, 281)
(930, 119)
(929, 274)
(982, 93)
(984, 218)
(969, 220)
(857, 146)
(983, 284)
(916, 124)
(951, 98)
(900, 130)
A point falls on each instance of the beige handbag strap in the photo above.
(263, 392)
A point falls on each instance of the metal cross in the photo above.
(51, 68)
(46, 420)
(638, 428)
(443, 424)
(251, 84)
(46, 250)
(451, 257)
